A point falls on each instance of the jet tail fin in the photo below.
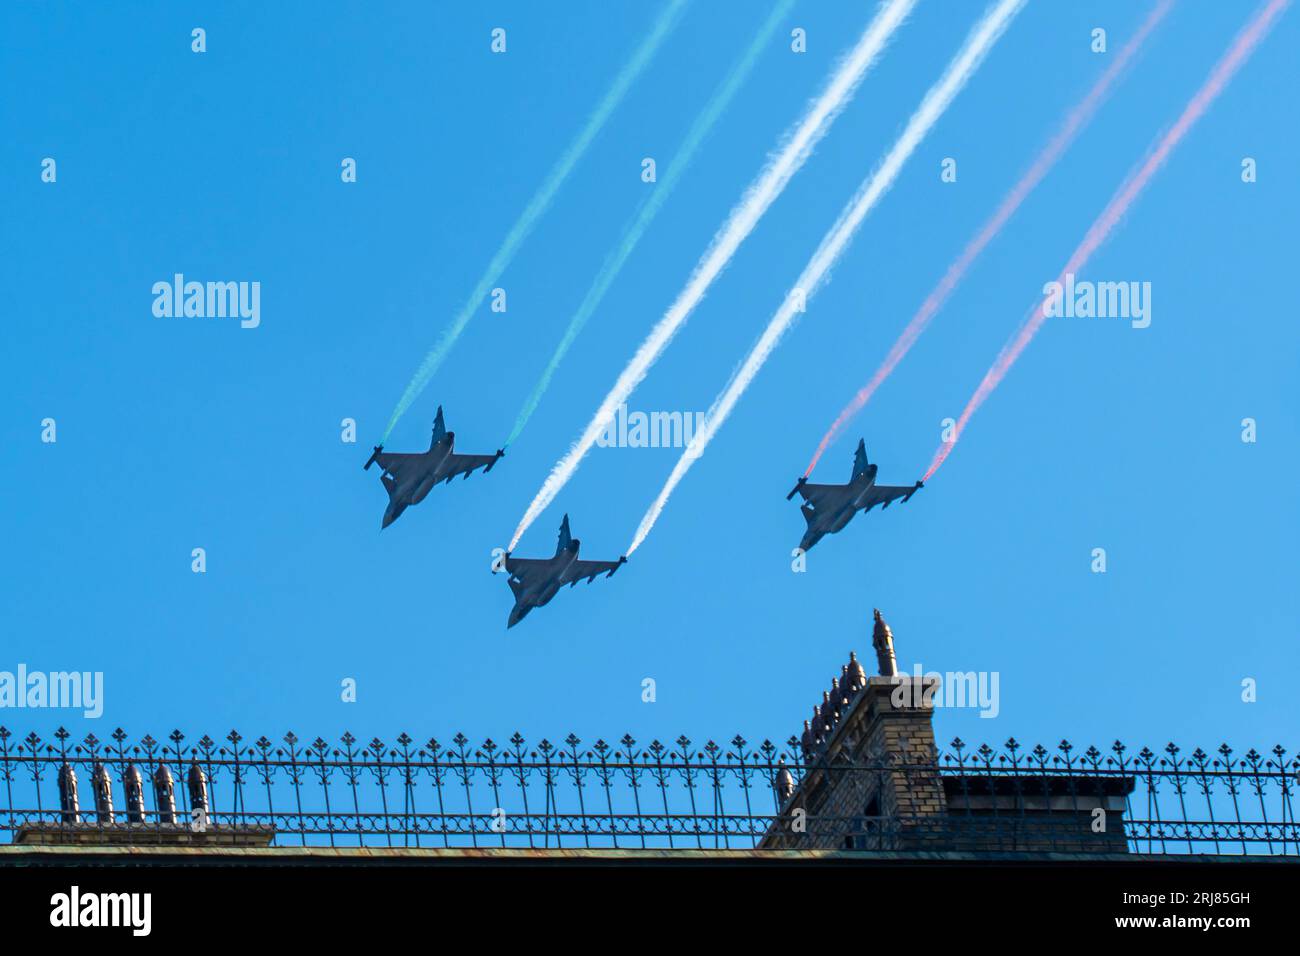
(565, 537)
(859, 459)
(439, 428)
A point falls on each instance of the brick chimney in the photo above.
(873, 770)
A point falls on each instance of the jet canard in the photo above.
(534, 581)
(828, 508)
(408, 477)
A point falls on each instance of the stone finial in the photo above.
(809, 740)
(837, 695)
(856, 678)
(829, 716)
(784, 783)
(882, 639)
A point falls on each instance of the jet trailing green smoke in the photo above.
(537, 207)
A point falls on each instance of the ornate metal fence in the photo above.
(624, 795)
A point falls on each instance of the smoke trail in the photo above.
(633, 232)
(1237, 54)
(1075, 121)
(936, 101)
(796, 147)
(537, 206)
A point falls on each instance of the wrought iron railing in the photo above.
(628, 795)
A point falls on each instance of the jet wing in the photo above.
(395, 463)
(529, 570)
(884, 494)
(589, 570)
(454, 465)
(823, 496)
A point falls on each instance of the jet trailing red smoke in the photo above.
(1237, 54)
(1075, 120)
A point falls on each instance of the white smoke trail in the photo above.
(936, 101)
(637, 228)
(796, 147)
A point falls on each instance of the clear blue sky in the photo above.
(175, 434)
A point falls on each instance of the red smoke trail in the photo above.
(1075, 120)
(1242, 47)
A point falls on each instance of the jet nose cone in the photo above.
(389, 518)
(516, 615)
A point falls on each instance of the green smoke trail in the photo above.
(537, 206)
(635, 229)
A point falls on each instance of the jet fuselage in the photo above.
(835, 520)
(540, 594)
(535, 581)
(412, 488)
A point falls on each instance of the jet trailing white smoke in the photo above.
(936, 101)
(796, 147)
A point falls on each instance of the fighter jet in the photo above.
(535, 581)
(409, 477)
(828, 508)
